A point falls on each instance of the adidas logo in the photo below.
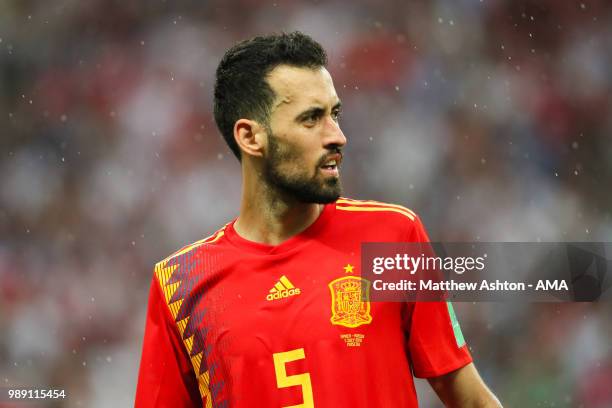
(282, 289)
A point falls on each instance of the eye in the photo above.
(336, 113)
(311, 119)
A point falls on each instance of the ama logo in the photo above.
(282, 289)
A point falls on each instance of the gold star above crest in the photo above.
(348, 268)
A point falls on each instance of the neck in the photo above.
(270, 217)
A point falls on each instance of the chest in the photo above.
(275, 304)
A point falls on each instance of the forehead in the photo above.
(301, 87)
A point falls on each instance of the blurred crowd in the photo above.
(491, 119)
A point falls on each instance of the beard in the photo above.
(299, 185)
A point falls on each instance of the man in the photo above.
(263, 312)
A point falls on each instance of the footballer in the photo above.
(267, 311)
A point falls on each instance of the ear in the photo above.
(250, 137)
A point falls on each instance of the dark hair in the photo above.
(241, 90)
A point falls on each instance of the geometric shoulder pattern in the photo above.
(178, 276)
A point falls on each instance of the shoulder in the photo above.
(188, 251)
(381, 215)
(377, 209)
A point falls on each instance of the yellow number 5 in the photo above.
(283, 380)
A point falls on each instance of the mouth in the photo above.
(330, 165)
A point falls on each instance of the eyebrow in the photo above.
(316, 111)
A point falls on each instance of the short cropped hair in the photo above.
(241, 89)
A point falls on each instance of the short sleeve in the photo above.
(417, 233)
(166, 377)
(435, 343)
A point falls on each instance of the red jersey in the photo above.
(234, 323)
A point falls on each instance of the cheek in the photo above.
(297, 157)
(297, 164)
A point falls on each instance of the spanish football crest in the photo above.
(350, 301)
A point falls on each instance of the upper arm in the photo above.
(439, 352)
(435, 343)
(166, 376)
(463, 388)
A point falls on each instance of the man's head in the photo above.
(275, 103)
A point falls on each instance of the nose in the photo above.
(333, 134)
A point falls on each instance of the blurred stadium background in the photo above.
(492, 119)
